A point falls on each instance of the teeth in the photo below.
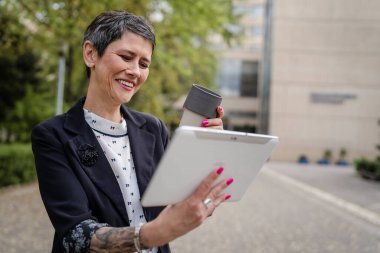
(130, 85)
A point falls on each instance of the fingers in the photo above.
(215, 122)
(180, 218)
(216, 194)
(209, 195)
(220, 112)
(205, 186)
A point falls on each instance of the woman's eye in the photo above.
(125, 57)
(144, 65)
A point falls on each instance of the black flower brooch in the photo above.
(88, 154)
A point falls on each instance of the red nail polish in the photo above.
(204, 122)
(227, 197)
(229, 181)
(220, 170)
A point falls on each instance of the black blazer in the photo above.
(73, 191)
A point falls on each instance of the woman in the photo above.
(95, 161)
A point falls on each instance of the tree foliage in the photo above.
(183, 55)
(18, 69)
(17, 63)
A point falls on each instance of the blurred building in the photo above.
(325, 81)
(239, 67)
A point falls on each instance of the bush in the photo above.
(368, 168)
(16, 164)
(303, 159)
(326, 159)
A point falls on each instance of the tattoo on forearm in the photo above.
(113, 240)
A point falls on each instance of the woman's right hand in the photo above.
(178, 219)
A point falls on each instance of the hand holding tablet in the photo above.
(194, 152)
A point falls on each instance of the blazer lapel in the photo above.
(142, 146)
(101, 172)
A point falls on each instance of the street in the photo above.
(289, 208)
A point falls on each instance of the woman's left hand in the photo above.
(215, 122)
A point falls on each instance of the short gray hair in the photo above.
(111, 25)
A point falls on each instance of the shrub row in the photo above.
(16, 164)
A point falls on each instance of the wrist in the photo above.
(139, 245)
(153, 235)
(146, 240)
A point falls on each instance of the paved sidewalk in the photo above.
(24, 224)
(341, 181)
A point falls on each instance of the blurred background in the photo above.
(307, 71)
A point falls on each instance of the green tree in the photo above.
(27, 112)
(18, 68)
(183, 55)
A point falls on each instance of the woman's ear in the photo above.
(89, 54)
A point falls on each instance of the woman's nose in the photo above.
(133, 69)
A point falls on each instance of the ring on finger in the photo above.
(207, 202)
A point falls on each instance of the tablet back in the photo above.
(194, 152)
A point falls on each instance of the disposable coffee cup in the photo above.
(200, 104)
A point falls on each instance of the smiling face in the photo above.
(121, 71)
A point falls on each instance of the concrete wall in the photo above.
(325, 91)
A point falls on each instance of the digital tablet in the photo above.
(194, 152)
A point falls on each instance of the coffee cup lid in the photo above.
(202, 101)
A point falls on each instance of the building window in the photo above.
(229, 77)
(245, 128)
(240, 9)
(257, 11)
(249, 79)
(255, 31)
(238, 78)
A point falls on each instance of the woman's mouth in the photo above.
(125, 84)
